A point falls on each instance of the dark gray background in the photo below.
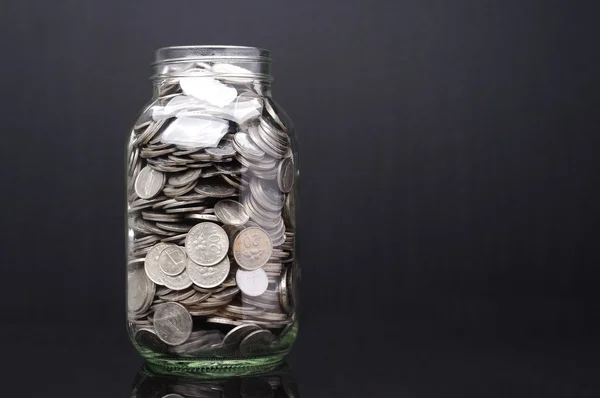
(449, 187)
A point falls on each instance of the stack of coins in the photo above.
(211, 266)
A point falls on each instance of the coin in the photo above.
(149, 183)
(147, 338)
(244, 144)
(253, 283)
(252, 248)
(231, 212)
(205, 217)
(172, 260)
(140, 291)
(256, 342)
(237, 334)
(225, 148)
(185, 178)
(173, 323)
(207, 244)
(151, 265)
(177, 282)
(285, 175)
(208, 277)
(215, 189)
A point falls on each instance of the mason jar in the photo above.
(212, 167)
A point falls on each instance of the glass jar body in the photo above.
(212, 268)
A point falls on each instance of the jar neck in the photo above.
(248, 68)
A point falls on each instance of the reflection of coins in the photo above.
(206, 244)
(172, 260)
(252, 248)
(255, 388)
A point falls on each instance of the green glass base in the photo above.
(221, 363)
(215, 368)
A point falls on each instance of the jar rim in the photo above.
(210, 52)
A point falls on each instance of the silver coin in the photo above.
(172, 260)
(149, 183)
(285, 175)
(252, 248)
(147, 338)
(225, 148)
(173, 323)
(185, 178)
(289, 210)
(231, 212)
(252, 283)
(151, 265)
(190, 209)
(178, 282)
(237, 334)
(140, 291)
(207, 244)
(208, 277)
(173, 227)
(223, 321)
(215, 190)
(177, 295)
(271, 112)
(204, 217)
(256, 342)
(244, 144)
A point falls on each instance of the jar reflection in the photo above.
(278, 383)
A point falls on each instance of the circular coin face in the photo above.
(208, 277)
(206, 244)
(230, 212)
(285, 175)
(252, 248)
(151, 263)
(149, 183)
(172, 260)
(173, 323)
(252, 283)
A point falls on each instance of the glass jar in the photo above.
(212, 165)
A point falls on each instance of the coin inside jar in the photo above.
(252, 248)
(172, 260)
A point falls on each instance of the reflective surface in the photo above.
(420, 360)
(278, 383)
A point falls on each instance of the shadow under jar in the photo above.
(212, 270)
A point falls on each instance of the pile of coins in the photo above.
(211, 219)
